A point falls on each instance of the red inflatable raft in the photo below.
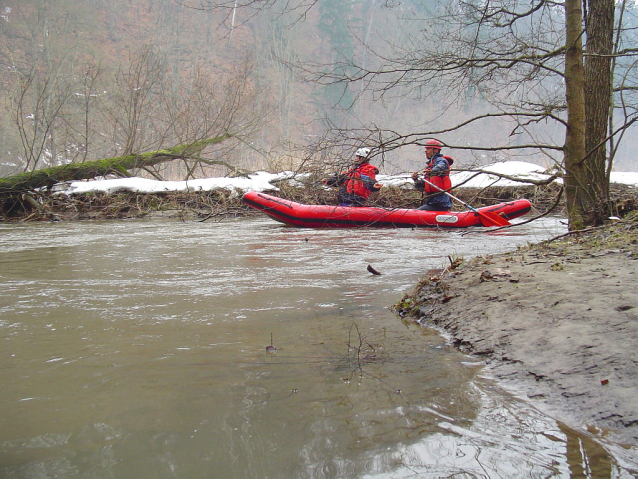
(325, 216)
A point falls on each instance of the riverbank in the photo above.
(221, 203)
(557, 323)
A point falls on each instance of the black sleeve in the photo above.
(368, 182)
(336, 180)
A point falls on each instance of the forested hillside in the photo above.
(89, 79)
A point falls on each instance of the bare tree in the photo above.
(42, 83)
(232, 104)
(599, 28)
(576, 189)
(526, 61)
(67, 107)
(133, 101)
(250, 8)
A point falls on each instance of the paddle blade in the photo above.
(492, 219)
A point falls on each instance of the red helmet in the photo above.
(434, 144)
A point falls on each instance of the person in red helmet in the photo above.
(358, 182)
(436, 172)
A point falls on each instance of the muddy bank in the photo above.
(556, 322)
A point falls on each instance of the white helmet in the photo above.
(363, 152)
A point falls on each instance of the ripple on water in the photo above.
(148, 342)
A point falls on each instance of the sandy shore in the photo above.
(557, 323)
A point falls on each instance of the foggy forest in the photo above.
(290, 83)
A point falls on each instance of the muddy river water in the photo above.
(139, 350)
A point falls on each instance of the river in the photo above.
(138, 349)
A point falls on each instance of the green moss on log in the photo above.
(47, 177)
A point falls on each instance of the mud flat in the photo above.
(557, 323)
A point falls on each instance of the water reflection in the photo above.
(138, 349)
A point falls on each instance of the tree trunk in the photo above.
(598, 96)
(25, 182)
(576, 178)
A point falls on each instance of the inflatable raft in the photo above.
(326, 216)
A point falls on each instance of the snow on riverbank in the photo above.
(262, 181)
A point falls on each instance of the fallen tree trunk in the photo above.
(47, 177)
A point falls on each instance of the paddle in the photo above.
(487, 217)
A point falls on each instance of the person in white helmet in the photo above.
(437, 173)
(357, 183)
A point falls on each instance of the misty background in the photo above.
(90, 79)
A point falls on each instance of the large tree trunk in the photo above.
(598, 97)
(576, 178)
(25, 182)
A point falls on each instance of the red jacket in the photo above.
(437, 172)
(360, 179)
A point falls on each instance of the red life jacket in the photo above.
(442, 180)
(354, 184)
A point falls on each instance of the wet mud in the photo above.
(556, 323)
